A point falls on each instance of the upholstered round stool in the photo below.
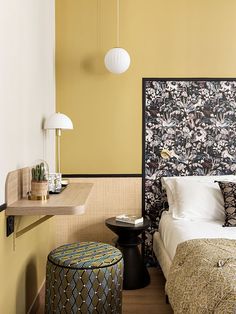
(84, 277)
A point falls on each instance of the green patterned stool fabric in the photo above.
(84, 277)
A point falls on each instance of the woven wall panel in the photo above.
(109, 197)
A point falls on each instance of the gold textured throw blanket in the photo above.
(202, 277)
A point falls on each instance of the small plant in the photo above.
(38, 173)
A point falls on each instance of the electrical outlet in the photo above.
(10, 225)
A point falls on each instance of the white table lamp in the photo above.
(58, 121)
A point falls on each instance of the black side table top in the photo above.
(111, 222)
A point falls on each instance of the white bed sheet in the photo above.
(175, 231)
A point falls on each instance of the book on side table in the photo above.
(130, 219)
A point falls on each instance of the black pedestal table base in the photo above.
(135, 272)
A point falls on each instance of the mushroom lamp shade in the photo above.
(58, 121)
(117, 60)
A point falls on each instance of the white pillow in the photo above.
(198, 200)
(176, 201)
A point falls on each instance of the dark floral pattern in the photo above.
(228, 190)
(195, 119)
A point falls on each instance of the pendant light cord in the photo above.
(99, 24)
(118, 23)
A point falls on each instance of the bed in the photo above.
(191, 239)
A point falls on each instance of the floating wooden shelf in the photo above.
(71, 201)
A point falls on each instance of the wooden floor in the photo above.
(149, 300)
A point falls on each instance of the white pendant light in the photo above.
(117, 60)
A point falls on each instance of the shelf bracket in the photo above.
(11, 227)
(33, 225)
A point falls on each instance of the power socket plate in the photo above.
(10, 225)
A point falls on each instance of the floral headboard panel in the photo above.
(194, 119)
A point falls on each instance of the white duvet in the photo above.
(174, 231)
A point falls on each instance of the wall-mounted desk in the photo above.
(71, 201)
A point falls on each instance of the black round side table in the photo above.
(135, 272)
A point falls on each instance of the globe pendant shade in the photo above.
(117, 60)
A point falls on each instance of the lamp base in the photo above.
(64, 182)
(58, 191)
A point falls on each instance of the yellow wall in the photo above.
(22, 265)
(165, 38)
